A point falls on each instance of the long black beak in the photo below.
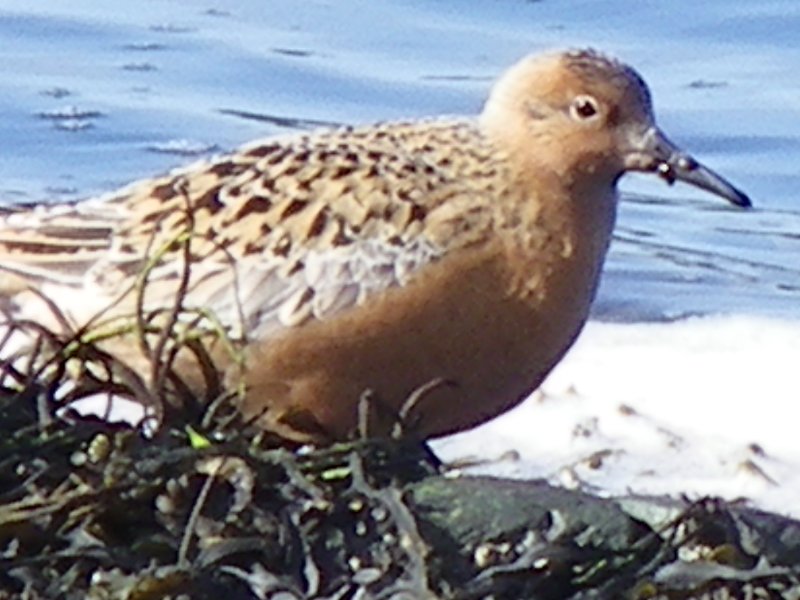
(654, 152)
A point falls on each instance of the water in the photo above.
(96, 94)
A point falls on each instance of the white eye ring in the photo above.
(584, 108)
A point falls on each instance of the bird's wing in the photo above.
(54, 243)
(280, 232)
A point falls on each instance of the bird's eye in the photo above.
(583, 108)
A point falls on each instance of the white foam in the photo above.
(706, 406)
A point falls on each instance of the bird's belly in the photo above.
(466, 326)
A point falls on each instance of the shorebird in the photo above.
(451, 260)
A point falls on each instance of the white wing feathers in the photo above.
(255, 295)
(330, 281)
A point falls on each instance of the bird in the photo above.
(440, 267)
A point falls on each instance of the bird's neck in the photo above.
(562, 224)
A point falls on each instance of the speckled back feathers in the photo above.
(299, 227)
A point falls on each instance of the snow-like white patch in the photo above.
(706, 406)
(183, 147)
(113, 408)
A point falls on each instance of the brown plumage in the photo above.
(386, 257)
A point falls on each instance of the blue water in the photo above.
(95, 94)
